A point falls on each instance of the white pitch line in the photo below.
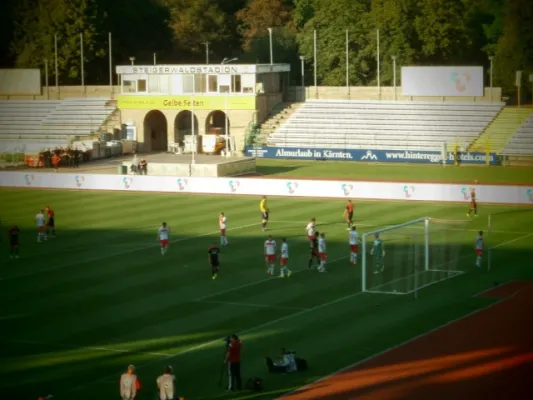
(512, 241)
(270, 278)
(229, 303)
(392, 348)
(86, 260)
(351, 366)
(219, 340)
(91, 348)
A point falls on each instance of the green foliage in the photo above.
(422, 32)
(41, 20)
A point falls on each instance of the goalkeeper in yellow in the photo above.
(265, 212)
(378, 252)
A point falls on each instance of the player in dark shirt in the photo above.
(213, 257)
(314, 250)
(13, 234)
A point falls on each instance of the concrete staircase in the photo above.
(500, 130)
(113, 121)
(279, 114)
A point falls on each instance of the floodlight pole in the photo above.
(46, 78)
(378, 67)
(110, 65)
(271, 48)
(302, 59)
(155, 59)
(394, 75)
(82, 63)
(315, 61)
(491, 58)
(194, 145)
(207, 52)
(348, 62)
(56, 67)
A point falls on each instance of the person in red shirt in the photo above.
(233, 359)
(348, 214)
(51, 224)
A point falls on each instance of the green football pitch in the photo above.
(77, 309)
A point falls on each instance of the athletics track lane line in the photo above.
(254, 328)
(351, 366)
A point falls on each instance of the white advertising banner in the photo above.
(274, 187)
(442, 81)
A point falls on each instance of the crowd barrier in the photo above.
(273, 187)
(381, 156)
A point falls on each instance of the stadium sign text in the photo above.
(184, 69)
(385, 156)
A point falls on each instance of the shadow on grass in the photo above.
(100, 293)
(276, 169)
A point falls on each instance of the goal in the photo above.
(404, 258)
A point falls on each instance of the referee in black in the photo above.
(314, 250)
(213, 257)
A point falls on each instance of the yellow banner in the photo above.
(140, 102)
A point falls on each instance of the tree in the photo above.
(40, 20)
(397, 36)
(195, 22)
(514, 50)
(441, 31)
(331, 18)
(304, 10)
(259, 15)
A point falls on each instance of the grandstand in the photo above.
(355, 124)
(522, 141)
(28, 126)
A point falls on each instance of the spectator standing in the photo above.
(143, 167)
(233, 359)
(166, 384)
(134, 163)
(129, 384)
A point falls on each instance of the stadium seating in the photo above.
(522, 141)
(350, 124)
(31, 125)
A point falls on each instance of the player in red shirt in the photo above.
(50, 224)
(348, 214)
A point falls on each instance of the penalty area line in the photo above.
(229, 303)
(91, 348)
(116, 254)
(220, 340)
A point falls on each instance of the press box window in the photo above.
(236, 86)
(129, 86)
(212, 84)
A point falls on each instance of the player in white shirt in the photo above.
(310, 229)
(165, 384)
(353, 239)
(163, 233)
(40, 220)
(322, 253)
(128, 384)
(222, 220)
(479, 249)
(270, 255)
(284, 259)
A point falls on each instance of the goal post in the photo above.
(404, 258)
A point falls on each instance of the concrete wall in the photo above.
(65, 92)
(238, 122)
(295, 93)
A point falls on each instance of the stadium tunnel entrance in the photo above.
(183, 126)
(155, 131)
(215, 123)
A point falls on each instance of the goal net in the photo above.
(404, 258)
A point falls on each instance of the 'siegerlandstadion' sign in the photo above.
(186, 69)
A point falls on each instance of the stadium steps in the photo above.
(501, 129)
(279, 114)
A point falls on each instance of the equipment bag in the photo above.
(255, 384)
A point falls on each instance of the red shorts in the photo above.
(479, 252)
(283, 261)
(310, 238)
(271, 258)
(163, 242)
(322, 256)
(222, 232)
(41, 229)
(354, 248)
